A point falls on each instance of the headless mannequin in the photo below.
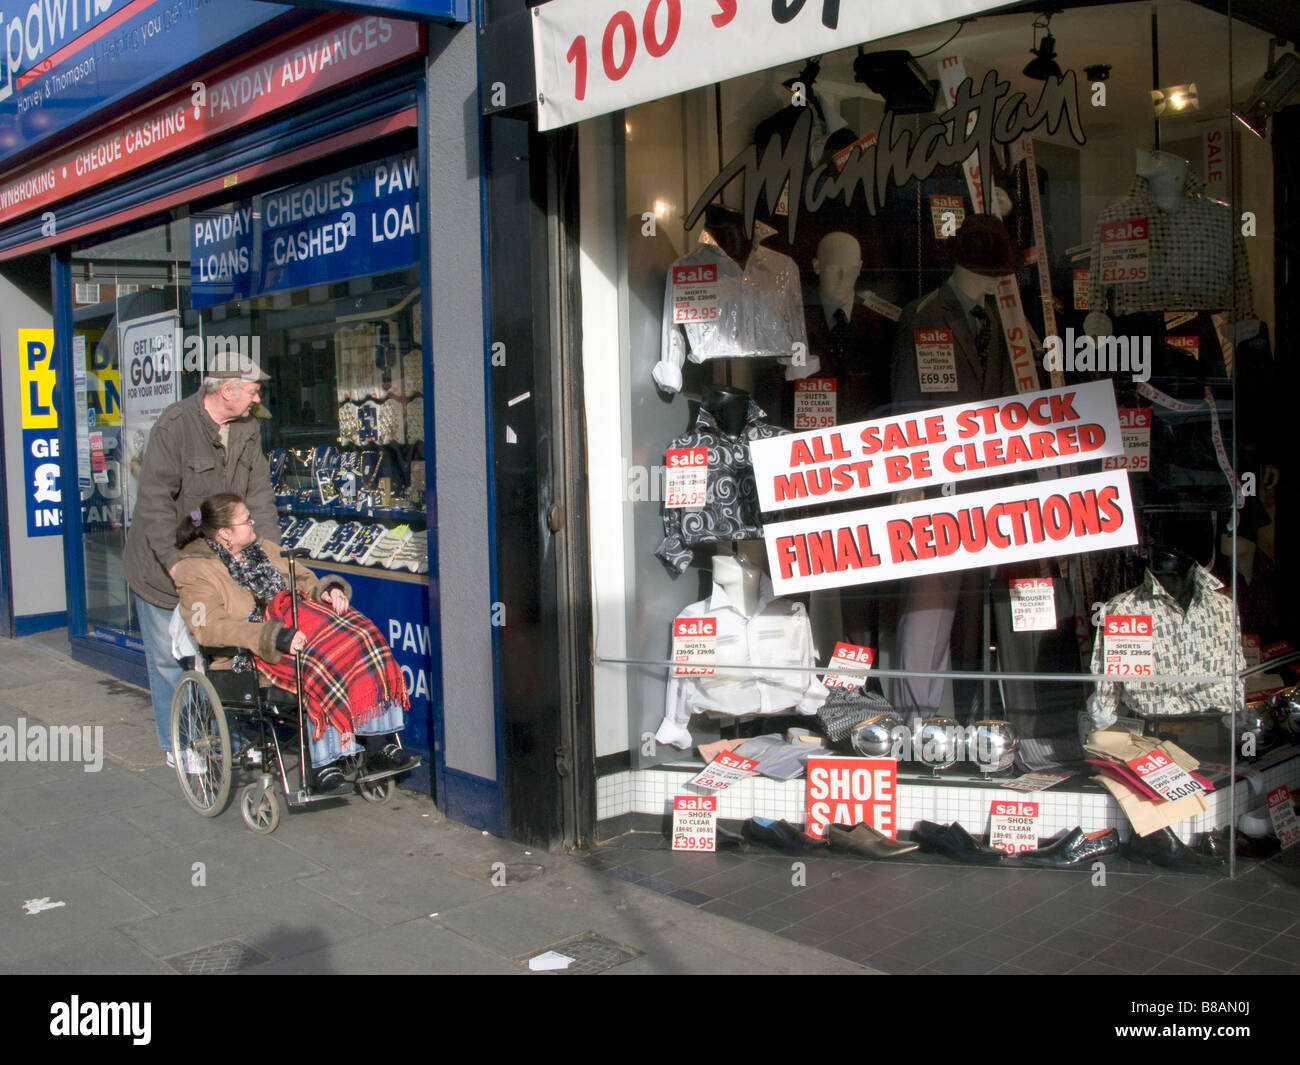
(727, 229)
(740, 580)
(729, 406)
(1176, 573)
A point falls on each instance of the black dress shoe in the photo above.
(955, 842)
(789, 838)
(1076, 847)
(1164, 848)
(390, 758)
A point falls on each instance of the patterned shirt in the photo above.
(1195, 256)
(730, 510)
(1204, 641)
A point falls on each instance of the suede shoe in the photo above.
(1076, 847)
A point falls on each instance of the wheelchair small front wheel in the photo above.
(260, 808)
(378, 792)
(201, 744)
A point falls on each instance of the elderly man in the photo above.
(202, 445)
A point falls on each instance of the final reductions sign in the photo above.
(1041, 519)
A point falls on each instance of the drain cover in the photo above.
(218, 959)
(592, 953)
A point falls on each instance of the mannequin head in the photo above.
(838, 263)
(975, 286)
(1152, 164)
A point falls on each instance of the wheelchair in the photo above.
(203, 708)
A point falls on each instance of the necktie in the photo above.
(983, 327)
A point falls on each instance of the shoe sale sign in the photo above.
(851, 791)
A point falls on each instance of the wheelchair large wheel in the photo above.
(199, 727)
(260, 808)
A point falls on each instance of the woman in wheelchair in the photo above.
(234, 595)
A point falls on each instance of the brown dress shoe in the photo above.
(865, 840)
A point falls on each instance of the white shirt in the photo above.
(776, 634)
(757, 311)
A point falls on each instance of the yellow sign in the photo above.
(103, 381)
(37, 378)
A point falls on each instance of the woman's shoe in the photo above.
(390, 758)
(329, 779)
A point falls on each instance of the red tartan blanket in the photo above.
(349, 674)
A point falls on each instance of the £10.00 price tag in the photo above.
(695, 293)
(695, 822)
(1125, 252)
(849, 656)
(686, 477)
(1013, 825)
(1282, 814)
(1165, 776)
(936, 360)
(1033, 605)
(695, 646)
(814, 403)
(723, 771)
(1135, 431)
(1129, 648)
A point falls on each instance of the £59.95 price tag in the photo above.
(1013, 825)
(1033, 605)
(1129, 648)
(695, 646)
(695, 822)
(723, 771)
(1165, 776)
(814, 403)
(1125, 252)
(936, 360)
(849, 656)
(686, 477)
(1135, 431)
(695, 293)
(947, 213)
(1282, 814)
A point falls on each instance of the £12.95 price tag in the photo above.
(1282, 814)
(814, 403)
(695, 822)
(936, 360)
(1135, 430)
(1033, 605)
(849, 656)
(1129, 648)
(695, 646)
(1125, 252)
(695, 293)
(686, 477)
(1165, 776)
(723, 771)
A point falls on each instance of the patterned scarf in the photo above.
(256, 574)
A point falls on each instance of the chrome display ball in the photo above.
(874, 737)
(1286, 709)
(939, 742)
(993, 746)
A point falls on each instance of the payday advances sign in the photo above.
(361, 220)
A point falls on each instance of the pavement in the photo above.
(110, 872)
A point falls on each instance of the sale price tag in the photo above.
(1033, 605)
(695, 293)
(695, 822)
(1250, 647)
(1135, 431)
(936, 360)
(1082, 277)
(723, 771)
(686, 479)
(1282, 814)
(954, 207)
(1191, 345)
(1035, 781)
(98, 467)
(1129, 648)
(1013, 825)
(1125, 252)
(814, 403)
(1165, 776)
(849, 656)
(695, 642)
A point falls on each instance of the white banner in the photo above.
(956, 443)
(596, 56)
(1041, 520)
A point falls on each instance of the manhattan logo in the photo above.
(53, 743)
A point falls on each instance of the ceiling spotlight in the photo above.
(1097, 72)
(1043, 65)
(1175, 100)
(897, 77)
(1277, 88)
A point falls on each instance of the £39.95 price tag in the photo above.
(695, 646)
(1125, 252)
(1165, 776)
(723, 771)
(1135, 431)
(695, 822)
(936, 360)
(1282, 814)
(850, 656)
(695, 293)
(814, 403)
(1013, 825)
(686, 477)
(1129, 648)
(1033, 605)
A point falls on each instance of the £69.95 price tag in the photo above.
(1129, 648)
(1125, 252)
(695, 646)
(1165, 776)
(849, 656)
(723, 771)
(695, 822)
(814, 403)
(686, 477)
(936, 360)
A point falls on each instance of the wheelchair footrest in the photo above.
(368, 778)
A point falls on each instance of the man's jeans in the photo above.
(164, 671)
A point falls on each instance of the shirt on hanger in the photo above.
(1205, 640)
(730, 510)
(719, 311)
(777, 634)
(1195, 255)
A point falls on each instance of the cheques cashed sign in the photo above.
(944, 533)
